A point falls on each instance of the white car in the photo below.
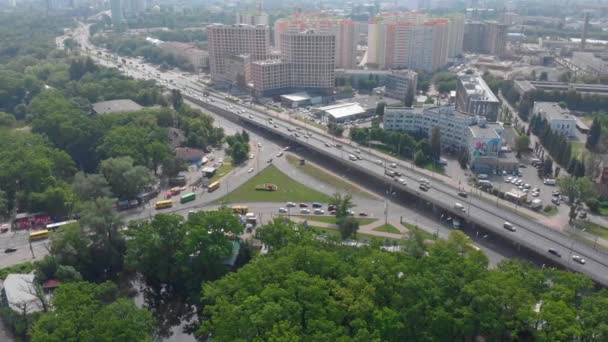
(259, 144)
(401, 181)
(250, 170)
(327, 145)
(319, 212)
(290, 205)
(579, 259)
(508, 180)
(305, 211)
(279, 154)
(282, 211)
(393, 165)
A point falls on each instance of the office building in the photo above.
(455, 35)
(485, 37)
(345, 32)
(399, 84)
(235, 40)
(342, 112)
(559, 119)
(524, 87)
(116, 10)
(459, 131)
(475, 97)
(593, 63)
(408, 40)
(252, 18)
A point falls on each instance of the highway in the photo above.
(482, 212)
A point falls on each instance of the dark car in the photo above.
(423, 187)
(331, 207)
(463, 194)
(269, 161)
(398, 174)
(303, 205)
(554, 252)
(10, 250)
(317, 205)
(362, 214)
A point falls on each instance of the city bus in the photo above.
(164, 204)
(54, 226)
(39, 235)
(187, 197)
(240, 209)
(213, 186)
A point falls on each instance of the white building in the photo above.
(20, 293)
(401, 83)
(252, 18)
(560, 120)
(475, 97)
(342, 112)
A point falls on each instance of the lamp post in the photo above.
(390, 193)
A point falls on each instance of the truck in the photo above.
(178, 181)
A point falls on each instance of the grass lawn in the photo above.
(288, 189)
(309, 122)
(328, 178)
(577, 148)
(360, 236)
(552, 211)
(223, 170)
(387, 228)
(596, 229)
(411, 227)
(603, 211)
(434, 168)
(332, 219)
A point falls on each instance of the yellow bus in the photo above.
(213, 186)
(39, 235)
(240, 209)
(164, 204)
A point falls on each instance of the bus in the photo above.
(164, 204)
(39, 235)
(187, 197)
(213, 186)
(240, 209)
(54, 226)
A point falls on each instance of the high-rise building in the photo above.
(252, 18)
(409, 40)
(455, 34)
(235, 40)
(116, 9)
(311, 58)
(344, 30)
(485, 37)
(475, 97)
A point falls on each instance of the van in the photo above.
(459, 206)
(509, 226)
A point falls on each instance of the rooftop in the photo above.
(187, 153)
(552, 111)
(477, 88)
(484, 132)
(342, 110)
(296, 97)
(370, 101)
(116, 106)
(20, 291)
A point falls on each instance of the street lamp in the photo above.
(388, 192)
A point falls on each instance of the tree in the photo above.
(548, 166)
(463, 158)
(56, 201)
(85, 311)
(578, 190)
(593, 137)
(348, 226)
(126, 180)
(90, 187)
(410, 96)
(435, 143)
(522, 144)
(279, 233)
(239, 152)
(335, 129)
(177, 101)
(172, 166)
(380, 107)
(543, 76)
(343, 204)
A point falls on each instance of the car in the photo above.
(275, 126)
(535, 190)
(279, 154)
(250, 170)
(362, 214)
(393, 165)
(509, 226)
(331, 207)
(290, 204)
(555, 193)
(398, 174)
(327, 145)
(286, 148)
(319, 212)
(350, 212)
(259, 144)
(250, 155)
(303, 205)
(269, 161)
(525, 191)
(296, 135)
(508, 179)
(10, 250)
(402, 181)
(357, 151)
(527, 186)
(332, 212)
(423, 187)
(5, 228)
(317, 205)
(582, 215)
(282, 211)
(554, 252)
(305, 211)
(463, 194)
(579, 259)
(555, 200)
(424, 181)
(378, 162)
(535, 194)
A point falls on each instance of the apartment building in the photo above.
(411, 40)
(269, 76)
(485, 37)
(455, 34)
(235, 40)
(560, 120)
(252, 18)
(345, 32)
(196, 57)
(399, 84)
(475, 97)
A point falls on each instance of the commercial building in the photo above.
(399, 84)
(344, 30)
(459, 131)
(560, 120)
(594, 63)
(475, 97)
(342, 112)
(524, 86)
(307, 62)
(485, 37)
(191, 54)
(408, 40)
(235, 40)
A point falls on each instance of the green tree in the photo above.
(578, 190)
(56, 201)
(126, 180)
(172, 166)
(90, 187)
(348, 226)
(380, 107)
(543, 76)
(435, 143)
(593, 137)
(85, 311)
(522, 144)
(343, 204)
(278, 234)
